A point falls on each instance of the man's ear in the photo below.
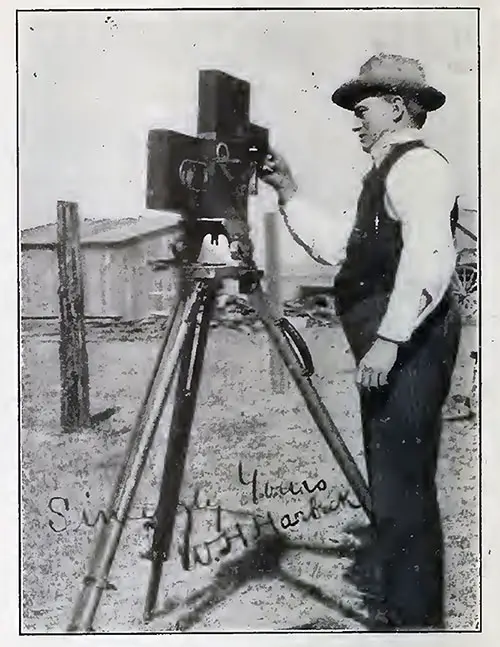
(398, 108)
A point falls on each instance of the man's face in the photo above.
(374, 116)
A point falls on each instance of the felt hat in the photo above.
(393, 74)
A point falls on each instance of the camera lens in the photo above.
(193, 175)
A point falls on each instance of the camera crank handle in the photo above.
(300, 350)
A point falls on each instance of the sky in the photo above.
(91, 85)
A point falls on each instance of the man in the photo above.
(394, 301)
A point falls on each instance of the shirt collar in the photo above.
(383, 145)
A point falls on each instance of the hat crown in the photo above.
(393, 66)
(389, 73)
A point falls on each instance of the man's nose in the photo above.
(357, 126)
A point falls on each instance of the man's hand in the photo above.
(376, 365)
(278, 174)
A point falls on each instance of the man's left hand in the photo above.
(376, 365)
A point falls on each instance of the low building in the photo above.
(118, 281)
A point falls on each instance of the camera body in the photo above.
(210, 175)
(204, 176)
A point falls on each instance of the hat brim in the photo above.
(350, 93)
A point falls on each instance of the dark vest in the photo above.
(374, 246)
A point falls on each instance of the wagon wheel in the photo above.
(467, 274)
(467, 295)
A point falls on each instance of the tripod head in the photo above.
(208, 176)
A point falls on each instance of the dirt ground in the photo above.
(68, 478)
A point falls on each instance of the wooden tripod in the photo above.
(182, 354)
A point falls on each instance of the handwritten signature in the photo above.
(227, 536)
(223, 543)
(280, 490)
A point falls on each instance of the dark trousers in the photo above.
(401, 430)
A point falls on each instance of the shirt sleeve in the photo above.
(420, 194)
(322, 235)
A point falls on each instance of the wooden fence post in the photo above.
(73, 358)
(279, 380)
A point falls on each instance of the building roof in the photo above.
(47, 234)
(103, 232)
(140, 228)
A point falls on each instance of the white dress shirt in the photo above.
(420, 194)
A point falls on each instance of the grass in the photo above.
(238, 419)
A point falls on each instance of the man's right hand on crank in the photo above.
(277, 173)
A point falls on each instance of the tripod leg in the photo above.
(190, 371)
(314, 403)
(144, 430)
